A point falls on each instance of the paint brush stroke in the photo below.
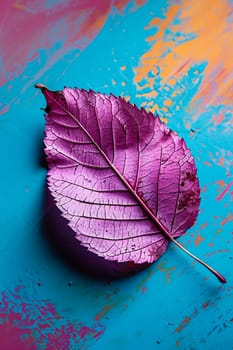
(27, 324)
(56, 26)
(189, 54)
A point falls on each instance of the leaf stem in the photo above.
(220, 277)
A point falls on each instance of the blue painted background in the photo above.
(175, 303)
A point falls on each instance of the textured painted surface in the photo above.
(170, 56)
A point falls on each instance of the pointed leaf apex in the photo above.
(40, 86)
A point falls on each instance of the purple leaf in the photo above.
(126, 184)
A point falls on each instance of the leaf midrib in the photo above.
(142, 204)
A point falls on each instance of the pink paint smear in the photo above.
(28, 26)
(26, 324)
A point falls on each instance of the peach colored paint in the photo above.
(198, 22)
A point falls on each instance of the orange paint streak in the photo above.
(207, 163)
(218, 119)
(183, 324)
(205, 305)
(103, 312)
(227, 219)
(204, 225)
(209, 37)
(148, 275)
(198, 240)
(224, 191)
(4, 110)
(220, 251)
(221, 183)
(166, 270)
(149, 58)
(221, 161)
(186, 321)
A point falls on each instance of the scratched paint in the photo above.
(166, 270)
(228, 219)
(153, 56)
(177, 52)
(191, 88)
(216, 327)
(26, 325)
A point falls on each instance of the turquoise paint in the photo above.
(135, 319)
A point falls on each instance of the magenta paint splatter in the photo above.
(26, 323)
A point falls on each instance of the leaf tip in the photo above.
(40, 86)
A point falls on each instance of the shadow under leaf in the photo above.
(68, 248)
